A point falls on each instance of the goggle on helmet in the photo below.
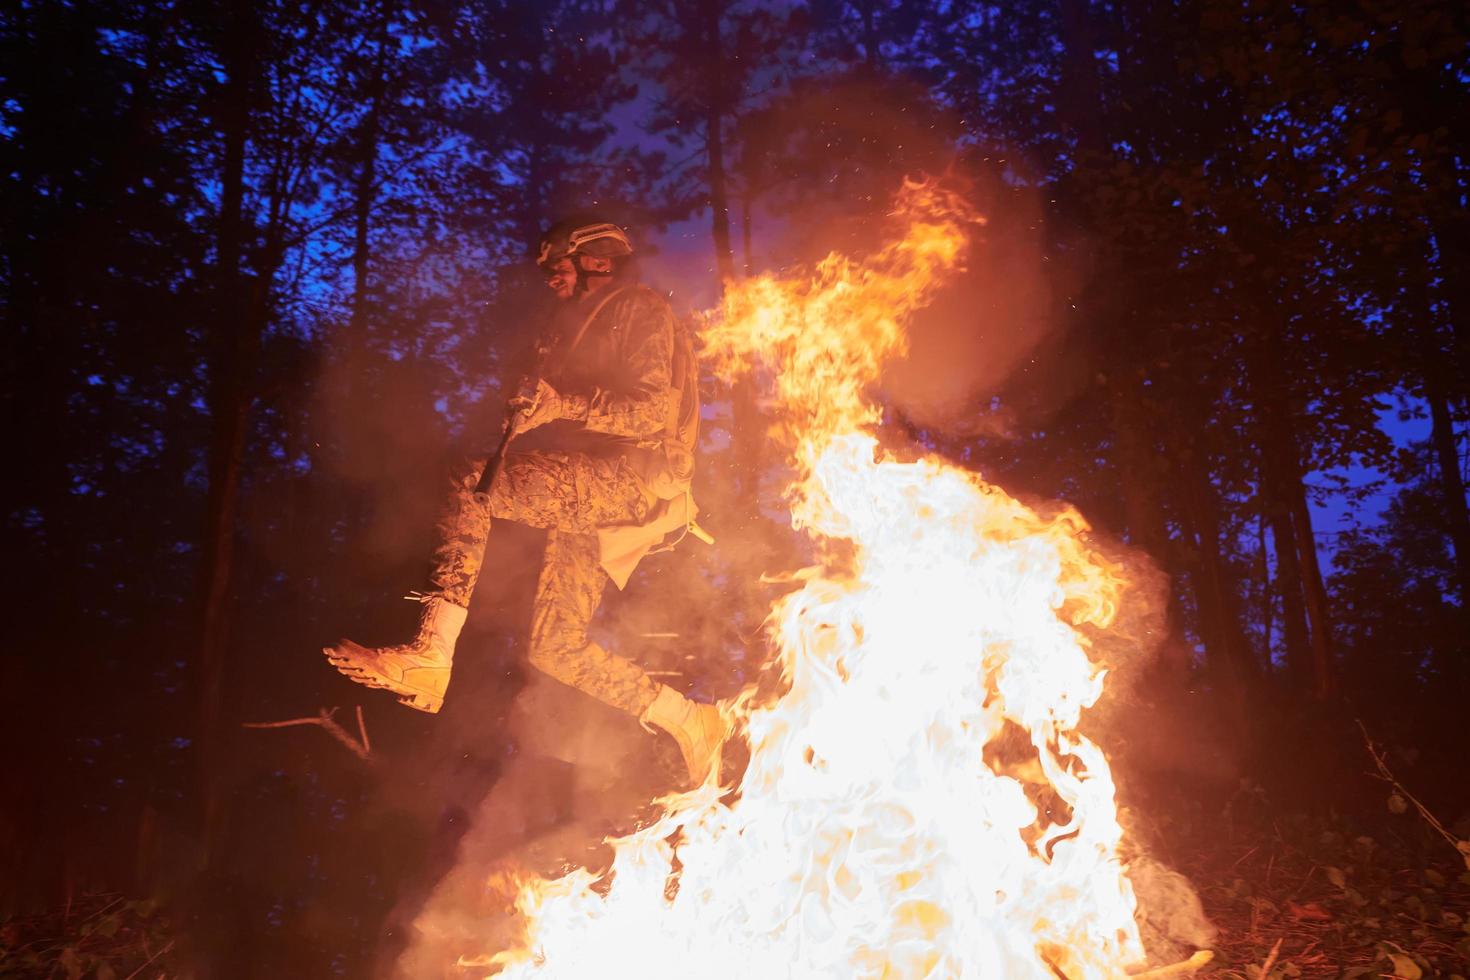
(603, 240)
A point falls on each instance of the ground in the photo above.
(106, 936)
(1306, 897)
(1323, 897)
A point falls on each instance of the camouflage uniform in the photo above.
(574, 476)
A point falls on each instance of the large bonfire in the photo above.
(918, 802)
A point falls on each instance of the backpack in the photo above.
(681, 424)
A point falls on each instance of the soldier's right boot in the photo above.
(417, 671)
(699, 729)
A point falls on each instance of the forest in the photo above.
(263, 268)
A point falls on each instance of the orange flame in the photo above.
(918, 802)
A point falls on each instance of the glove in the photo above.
(536, 409)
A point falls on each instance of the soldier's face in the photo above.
(561, 278)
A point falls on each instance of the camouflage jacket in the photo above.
(616, 382)
(615, 379)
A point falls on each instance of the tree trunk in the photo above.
(1277, 465)
(1451, 230)
(1140, 484)
(1288, 495)
(366, 190)
(1079, 98)
(746, 421)
(1288, 579)
(719, 198)
(1293, 494)
(716, 109)
(1225, 641)
(1452, 484)
(1430, 103)
(228, 407)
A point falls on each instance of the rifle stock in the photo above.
(497, 458)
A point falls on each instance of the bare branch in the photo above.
(304, 231)
(168, 946)
(327, 723)
(1271, 960)
(1385, 774)
(367, 746)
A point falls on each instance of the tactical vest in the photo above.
(667, 467)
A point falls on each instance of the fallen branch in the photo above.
(1385, 774)
(324, 720)
(1183, 968)
(1271, 960)
(155, 956)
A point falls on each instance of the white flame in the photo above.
(873, 835)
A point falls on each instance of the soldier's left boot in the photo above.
(417, 671)
(699, 729)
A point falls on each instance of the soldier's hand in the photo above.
(542, 406)
(525, 390)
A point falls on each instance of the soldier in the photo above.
(603, 454)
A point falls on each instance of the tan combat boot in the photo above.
(699, 729)
(417, 671)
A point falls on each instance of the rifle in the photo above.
(497, 459)
(513, 409)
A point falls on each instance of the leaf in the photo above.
(72, 963)
(1310, 912)
(105, 971)
(1435, 878)
(1405, 967)
(1397, 804)
(1336, 876)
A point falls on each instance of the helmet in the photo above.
(582, 235)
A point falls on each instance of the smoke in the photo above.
(1157, 743)
(576, 773)
(383, 442)
(1170, 917)
(1186, 741)
(988, 323)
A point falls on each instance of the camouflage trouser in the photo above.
(571, 495)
